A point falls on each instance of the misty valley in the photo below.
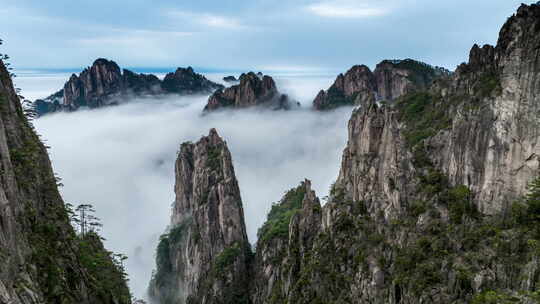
(390, 181)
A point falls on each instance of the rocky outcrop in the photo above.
(431, 203)
(390, 80)
(283, 241)
(493, 144)
(104, 84)
(186, 82)
(253, 90)
(205, 256)
(230, 79)
(42, 260)
(357, 86)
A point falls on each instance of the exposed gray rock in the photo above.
(430, 204)
(104, 84)
(390, 80)
(40, 255)
(253, 90)
(205, 256)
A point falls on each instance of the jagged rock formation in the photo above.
(41, 258)
(431, 203)
(391, 79)
(253, 90)
(424, 209)
(230, 79)
(104, 84)
(282, 244)
(186, 82)
(205, 256)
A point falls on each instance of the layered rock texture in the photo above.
(254, 90)
(42, 260)
(105, 84)
(391, 79)
(205, 256)
(431, 204)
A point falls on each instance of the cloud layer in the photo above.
(121, 159)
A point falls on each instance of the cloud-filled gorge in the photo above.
(121, 160)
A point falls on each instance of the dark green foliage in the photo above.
(104, 268)
(417, 207)
(167, 243)
(424, 114)
(214, 158)
(460, 203)
(532, 201)
(494, 297)
(277, 223)
(422, 73)
(163, 260)
(336, 98)
(226, 258)
(488, 84)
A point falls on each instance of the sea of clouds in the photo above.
(121, 158)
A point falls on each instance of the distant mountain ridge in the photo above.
(390, 80)
(437, 199)
(104, 83)
(252, 90)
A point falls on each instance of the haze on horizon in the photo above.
(305, 35)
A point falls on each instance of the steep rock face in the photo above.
(357, 86)
(375, 167)
(185, 81)
(41, 258)
(205, 257)
(398, 77)
(496, 131)
(283, 242)
(253, 90)
(390, 80)
(430, 205)
(93, 85)
(104, 84)
(420, 211)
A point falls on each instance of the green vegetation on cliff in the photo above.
(279, 217)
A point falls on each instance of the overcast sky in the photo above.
(247, 34)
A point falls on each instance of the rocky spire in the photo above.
(253, 90)
(429, 205)
(205, 256)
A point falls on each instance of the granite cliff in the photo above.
(437, 199)
(42, 259)
(253, 90)
(105, 84)
(205, 256)
(390, 79)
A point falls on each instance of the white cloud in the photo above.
(207, 19)
(220, 22)
(131, 37)
(340, 9)
(121, 159)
